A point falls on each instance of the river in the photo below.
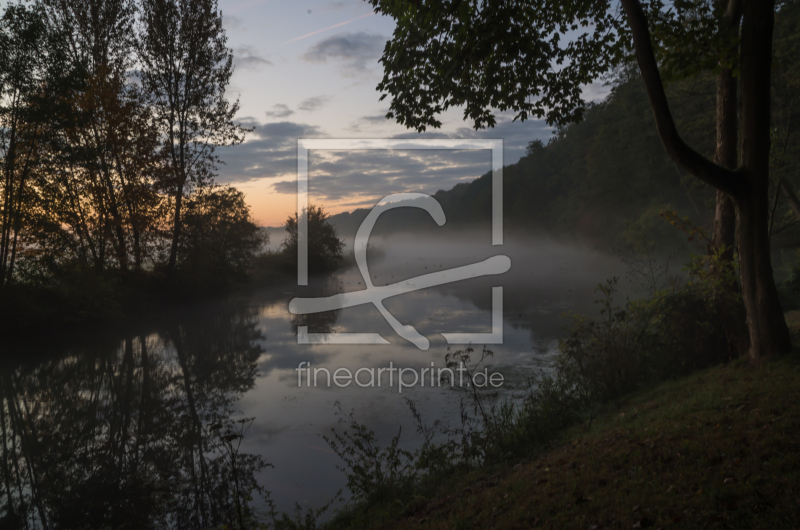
(139, 426)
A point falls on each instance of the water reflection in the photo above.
(139, 433)
(140, 429)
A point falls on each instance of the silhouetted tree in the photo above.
(219, 239)
(533, 58)
(23, 39)
(324, 247)
(185, 68)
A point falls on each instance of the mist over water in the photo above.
(239, 358)
(546, 279)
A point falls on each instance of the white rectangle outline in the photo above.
(353, 144)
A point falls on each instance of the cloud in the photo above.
(336, 5)
(595, 91)
(269, 151)
(360, 175)
(232, 23)
(312, 104)
(354, 52)
(279, 111)
(376, 118)
(340, 24)
(247, 57)
(371, 121)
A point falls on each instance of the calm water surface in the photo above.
(139, 428)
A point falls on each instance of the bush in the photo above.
(373, 472)
(672, 333)
(324, 246)
(219, 239)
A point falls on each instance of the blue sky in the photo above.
(308, 69)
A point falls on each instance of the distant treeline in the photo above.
(604, 180)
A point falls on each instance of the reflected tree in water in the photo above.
(140, 433)
(319, 322)
(316, 322)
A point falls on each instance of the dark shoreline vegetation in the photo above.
(714, 449)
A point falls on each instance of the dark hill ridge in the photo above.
(604, 180)
(592, 180)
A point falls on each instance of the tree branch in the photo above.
(791, 197)
(731, 182)
(734, 11)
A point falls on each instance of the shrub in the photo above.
(324, 246)
(373, 472)
(672, 333)
(219, 239)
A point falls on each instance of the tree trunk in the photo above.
(8, 201)
(748, 185)
(725, 156)
(17, 217)
(724, 226)
(176, 230)
(769, 335)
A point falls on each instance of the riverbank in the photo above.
(108, 301)
(716, 449)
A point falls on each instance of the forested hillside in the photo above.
(605, 180)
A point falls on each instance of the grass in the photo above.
(717, 449)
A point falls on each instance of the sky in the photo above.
(309, 69)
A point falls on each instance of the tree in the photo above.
(785, 117)
(185, 68)
(726, 154)
(100, 42)
(103, 151)
(532, 58)
(22, 45)
(219, 239)
(324, 247)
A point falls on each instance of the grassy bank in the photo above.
(716, 449)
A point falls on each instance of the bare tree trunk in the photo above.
(120, 247)
(176, 229)
(128, 189)
(726, 156)
(769, 335)
(726, 151)
(724, 225)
